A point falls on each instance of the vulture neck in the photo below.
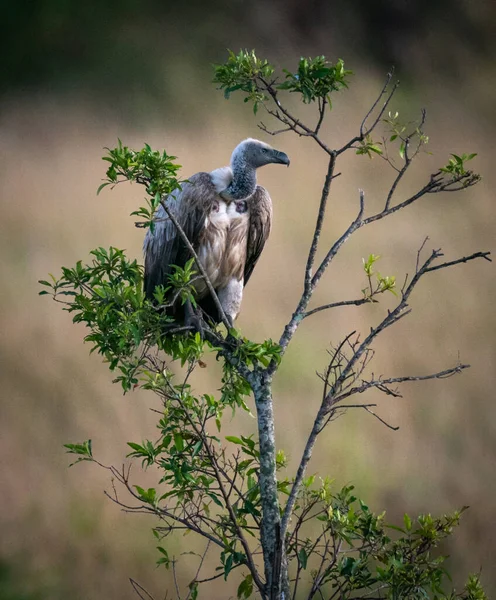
(244, 181)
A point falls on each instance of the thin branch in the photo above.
(320, 221)
(322, 108)
(298, 314)
(398, 178)
(419, 252)
(407, 158)
(365, 132)
(264, 128)
(291, 121)
(213, 461)
(162, 512)
(372, 108)
(356, 224)
(484, 255)
(218, 575)
(199, 568)
(379, 418)
(435, 185)
(383, 383)
(138, 589)
(176, 585)
(357, 302)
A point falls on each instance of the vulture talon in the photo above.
(194, 319)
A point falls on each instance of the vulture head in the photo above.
(255, 154)
(240, 181)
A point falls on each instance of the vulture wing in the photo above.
(164, 247)
(258, 232)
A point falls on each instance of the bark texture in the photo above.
(272, 544)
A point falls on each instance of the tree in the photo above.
(286, 537)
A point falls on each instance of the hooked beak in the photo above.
(281, 158)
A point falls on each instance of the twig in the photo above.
(138, 589)
(363, 134)
(484, 255)
(199, 568)
(357, 302)
(290, 120)
(419, 252)
(383, 383)
(320, 221)
(372, 108)
(218, 575)
(176, 585)
(356, 224)
(379, 418)
(322, 107)
(264, 128)
(408, 159)
(164, 513)
(298, 314)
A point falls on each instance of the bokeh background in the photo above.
(77, 75)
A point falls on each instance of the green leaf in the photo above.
(234, 440)
(84, 450)
(245, 588)
(179, 442)
(303, 556)
(215, 499)
(164, 560)
(103, 185)
(193, 588)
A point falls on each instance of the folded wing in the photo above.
(259, 230)
(164, 247)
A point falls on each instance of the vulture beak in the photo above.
(281, 158)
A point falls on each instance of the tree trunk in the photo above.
(277, 585)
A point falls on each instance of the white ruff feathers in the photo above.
(221, 178)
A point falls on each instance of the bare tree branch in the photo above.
(383, 383)
(407, 158)
(329, 399)
(372, 108)
(458, 261)
(291, 121)
(357, 302)
(365, 132)
(320, 221)
(140, 590)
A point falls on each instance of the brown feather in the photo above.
(259, 230)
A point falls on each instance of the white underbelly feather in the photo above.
(222, 250)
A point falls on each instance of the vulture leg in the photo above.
(193, 319)
(230, 298)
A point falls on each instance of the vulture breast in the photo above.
(223, 243)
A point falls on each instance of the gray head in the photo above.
(255, 154)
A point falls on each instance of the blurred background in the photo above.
(77, 75)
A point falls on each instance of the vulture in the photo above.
(227, 219)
